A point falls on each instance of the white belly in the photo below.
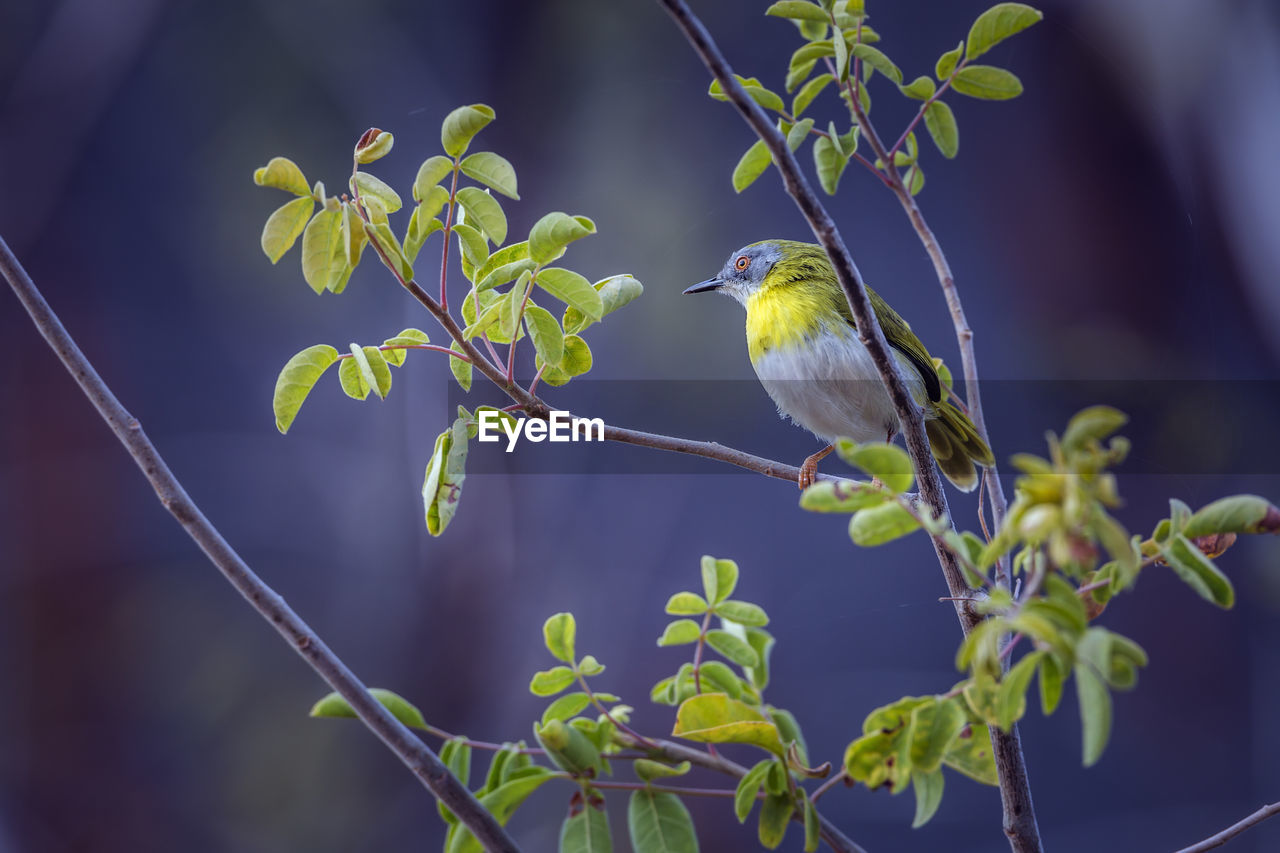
(831, 387)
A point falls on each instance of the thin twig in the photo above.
(828, 785)
(1235, 829)
(270, 606)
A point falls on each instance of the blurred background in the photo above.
(1113, 233)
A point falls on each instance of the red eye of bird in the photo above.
(742, 263)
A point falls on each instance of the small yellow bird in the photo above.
(805, 350)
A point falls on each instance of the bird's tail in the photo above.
(956, 445)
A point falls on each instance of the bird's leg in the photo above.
(809, 468)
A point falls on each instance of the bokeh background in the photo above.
(1117, 222)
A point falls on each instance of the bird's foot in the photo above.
(809, 468)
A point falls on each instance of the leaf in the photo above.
(761, 642)
(715, 718)
(1092, 424)
(719, 578)
(501, 803)
(474, 248)
(375, 374)
(296, 379)
(548, 340)
(283, 174)
(442, 485)
(720, 677)
(748, 786)
(323, 259)
(887, 463)
(549, 682)
(798, 133)
(284, 225)
(353, 236)
(997, 24)
(931, 729)
(492, 171)
(928, 789)
(686, 604)
(566, 706)
(812, 827)
(799, 10)
(1011, 701)
(615, 292)
(432, 171)
(572, 289)
(586, 832)
(914, 179)
(842, 496)
(1198, 571)
(751, 166)
(658, 822)
(483, 210)
(987, 82)
(1095, 712)
(460, 369)
(808, 92)
(553, 232)
(877, 60)
(559, 632)
(1052, 677)
(971, 755)
(829, 163)
(649, 770)
(737, 650)
(590, 666)
(500, 275)
(461, 125)
(368, 185)
(569, 747)
(407, 337)
(921, 88)
(947, 62)
(334, 705)
(742, 612)
(680, 632)
(941, 123)
(373, 145)
(1236, 514)
(880, 524)
(775, 814)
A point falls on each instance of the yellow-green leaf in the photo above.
(283, 174)
(296, 379)
(492, 171)
(553, 232)
(941, 123)
(987, 82)
(323, 258)
(483, 210)
(715, 718)
(572, 289)
(751, 165)
(461, 125)
(284, 225)
(997, 24)
(368, 185)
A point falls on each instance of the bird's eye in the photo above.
(742, 263)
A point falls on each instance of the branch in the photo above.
(270, 606)
(1235, 829)
(1015, 791)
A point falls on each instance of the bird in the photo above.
(804, 346)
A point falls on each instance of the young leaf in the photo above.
(296, 379)
(284, 226)
(843, 496)
(658, 822)
(432, 171)
(680, 632)
(829, 163)
(722, 574)
(334, 705)
(1198, 571)
(921, 88)
(380, 233)
(474, 248)
(800, 10)
(737, 650)
(686, 604)
(886, 462)
(460, 369)
(569, 747)
(947, 62)
(928, 789)
(1236, 514)
(442, 485)
(997, 24)
(372, 369)
(877, 60)
(553, 232)
(808, 92)
(548, 340)
(408, 337)
(751, 166)
(283, 174)
(483, 210)
(461, 125)
(880, 524)
(987, 82)
(566, 706)
(941, 123)
(323, 259)
(492, 171)
(742, 612)
(572, 289)
(748, 786)
(586, 832)
(368, 185)
(373, 145)
(549, 682)
(353, 236)
(559, 632)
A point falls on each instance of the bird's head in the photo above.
(763, 265)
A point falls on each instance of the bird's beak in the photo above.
(703, 286)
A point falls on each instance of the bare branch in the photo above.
(1235, 829)
(270, 606)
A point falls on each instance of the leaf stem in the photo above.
(448, 228)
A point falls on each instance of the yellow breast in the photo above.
(783, 317)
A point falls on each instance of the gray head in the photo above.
(743, 273)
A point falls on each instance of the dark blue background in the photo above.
(1117, 222)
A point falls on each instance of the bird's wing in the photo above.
(899, 336)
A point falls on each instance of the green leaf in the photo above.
(492, 171)
(1052, 677)
(296, 379)
(880, 524)
(375, 374)
(501, 803)
(715, 718)
(931, 730)
(590, 666)
(456, 755)
(549, 682)
(432, 171)
(1197, 571)
(987, 82)
(971, 755)
(841, 49)
(569, 747)
(812, 828)
(381, 234)
(928, 789)
(566, 706)
(686, 604)
(283, 174)
(1092, 424)
(742, 612)
(323, 258)
(947, 62)
(368, 185)
(914, 179)
(648, 770)
(775, 815)
(720, 677)
(353, 236)
(735, 649)
(941, 123)
(798, 133)
(829, 163)
(877, 60)
(1236, 514)
(284, 226)
(586, 832)
(474, 248)
(842, 496)
(748, 786)
(1011, 701)
(889, 464)
(799, 74)
(808, 92)
(680, 632)
(799, 10)
(658, 822)
(408, 337)
(615, 292)
(460, 369)
(334, 705)
(553, 232)
(751, 166)
(483, 210)
(548, 340)
(719, 578)
(417, 233)
(921, 88)
(997, 24)
(461, 125)
(442, 485)
(761, 642)
(489, 277)
(1095, 712)
(572, 289)
(559, 632)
